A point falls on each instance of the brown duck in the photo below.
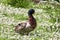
(24, 28)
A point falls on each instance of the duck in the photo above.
(24, 28)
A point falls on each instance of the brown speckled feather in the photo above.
(24, 28)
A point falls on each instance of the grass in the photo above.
(47, 23)
(16, 17)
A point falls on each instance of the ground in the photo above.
(47, 28)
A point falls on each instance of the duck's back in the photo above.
(23, 28)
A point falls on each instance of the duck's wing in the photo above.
(23, 25)
(19, 28)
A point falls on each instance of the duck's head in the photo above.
(31, 11)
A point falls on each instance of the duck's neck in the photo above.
(31, 17)
(32, 20)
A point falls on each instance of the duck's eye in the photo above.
(19, 24)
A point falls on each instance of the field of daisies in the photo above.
(48, 22)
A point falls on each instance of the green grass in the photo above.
(46, 29)
(16, 16)
(6, 39)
